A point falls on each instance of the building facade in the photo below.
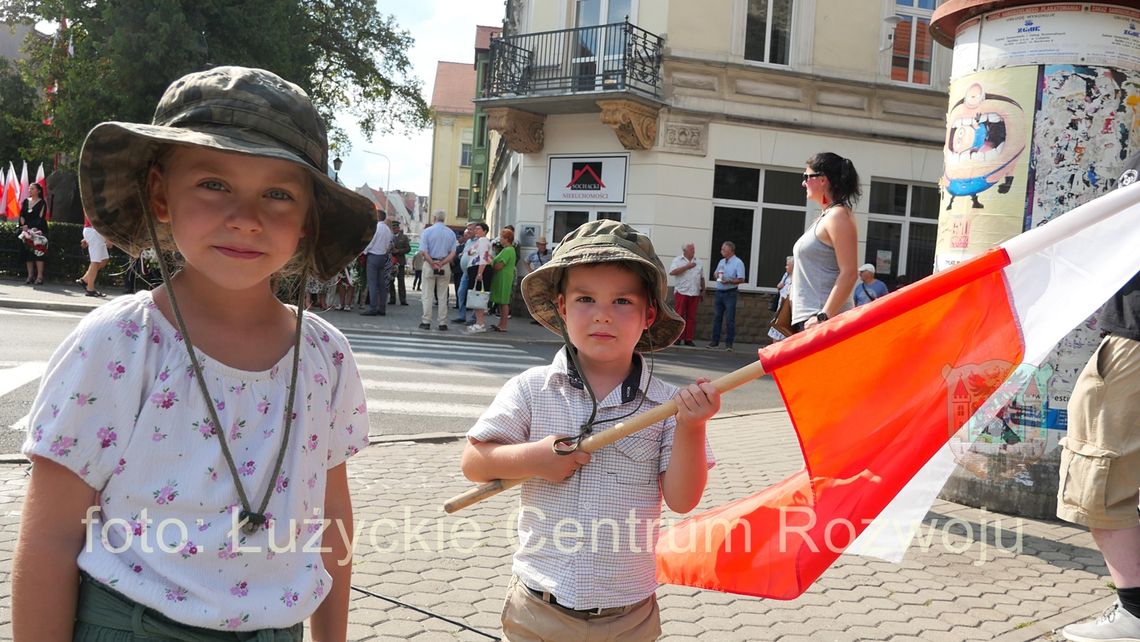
(693, 121)
(480, 140)
(452, 133)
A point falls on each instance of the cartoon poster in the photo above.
(986, 161)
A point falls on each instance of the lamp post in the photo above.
(337, 162)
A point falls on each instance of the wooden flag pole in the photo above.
(730, 381)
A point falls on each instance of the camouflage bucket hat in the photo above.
(604, 241)
(228, 109)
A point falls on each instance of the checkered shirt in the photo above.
(588, 540)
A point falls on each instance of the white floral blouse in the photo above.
(120, 407)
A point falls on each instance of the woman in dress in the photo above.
(504, 280)
(32, 218)
(825, 257)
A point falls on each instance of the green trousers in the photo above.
(104, 615)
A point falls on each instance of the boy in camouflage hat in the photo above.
(576, 573)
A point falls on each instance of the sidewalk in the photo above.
(977, 576)
(1046, 574)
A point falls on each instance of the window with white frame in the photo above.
(912, 48)
(901, 228)
(565, 221)
(762, 211)
(768, 31)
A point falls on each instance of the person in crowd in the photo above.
(868, 288)
(379, 263)
(437, 249)
(417, 271)
(609, 299)
(730, 273)
(1100, 456)
(137, 416)
(401, 245)
(33, 231)
(503, 282)
(97, 254)
(479, 257)
(540, 256)
(463, 243)
(689, 289)
(784, 284)
(824, 274)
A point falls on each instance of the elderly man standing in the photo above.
(688, 290)
(730, 274)
(869, 288)
(464, 242)
(437, 245)
(378, 258)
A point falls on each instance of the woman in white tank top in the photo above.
(824, 273)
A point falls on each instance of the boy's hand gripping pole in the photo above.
(597, 441)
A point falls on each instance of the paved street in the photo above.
(972, 575)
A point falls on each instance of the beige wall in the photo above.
(448, 132)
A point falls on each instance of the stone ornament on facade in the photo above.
(685, 137)
(522, 130)
(634, 123)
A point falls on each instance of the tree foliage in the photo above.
(17, 113)
(112, 59)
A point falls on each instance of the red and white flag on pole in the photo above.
(41, 180)
(11, 204)
(23, 182)
(868, 395)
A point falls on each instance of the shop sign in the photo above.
(586, 179)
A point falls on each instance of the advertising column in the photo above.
(1044, 109)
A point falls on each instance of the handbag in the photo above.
(781, 326)
(478, 299)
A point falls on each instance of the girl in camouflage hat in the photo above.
(603, 291)
(206, 407)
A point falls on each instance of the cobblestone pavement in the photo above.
(956, 584)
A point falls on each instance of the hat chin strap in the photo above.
(567, 445)
(249, 520)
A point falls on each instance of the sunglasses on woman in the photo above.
(810, 176)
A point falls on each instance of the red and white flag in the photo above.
(867, 393)
(41, 180)
(11, 204)
(23, 182)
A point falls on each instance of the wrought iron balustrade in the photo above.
(605, 58)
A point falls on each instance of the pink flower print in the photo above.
(312, 483)
(290, 597)
(37, 434)
(226, 550)
(54, 411)
(273, 372)
(188, 550)
(313, 442)
(164, 399)
(120, 468)
(319, 591)
(268, 432)
(158, 434)
(211, 473)
(167, 493)
(206, 427)
(352, 450)
(263, 406)
(164, 375)
(62, 446)
(325, 337)
(282, 483)
(82, 352)
(137, 527)
(238, 389)
(116, 369)
(236, 621)
(129, 328)
(338, 357)
(362, 408)
(85, 471)
(137, 568)
(220, 405)
(236, 428)
(203, 526)
(247, 469)
(241, 589)
(178, 336)
(176, 595)
(155, 337)
(319, 379)
(83, 399)
(107, 436)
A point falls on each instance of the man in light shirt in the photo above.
(437, 246)
(378, 258)
(729, 275)
(689, 288)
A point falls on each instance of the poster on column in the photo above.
(986, 162)
(1087, 126)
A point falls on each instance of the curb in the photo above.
(40, 304)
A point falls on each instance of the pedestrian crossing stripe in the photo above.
(386, 348)
(462, 390)
(424, 409)
(426, 374)
(442, 341)
(22, 312)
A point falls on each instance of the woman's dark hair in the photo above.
(39, 190)
(841, 176)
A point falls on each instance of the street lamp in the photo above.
(388, 183)
(337, 162)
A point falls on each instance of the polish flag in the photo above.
(11, 204)
(24, 182)
(41, 180)
(869, 394)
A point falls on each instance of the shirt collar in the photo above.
(637, 380)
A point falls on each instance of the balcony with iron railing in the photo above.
(569, 70)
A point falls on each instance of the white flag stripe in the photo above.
(12, 378)
(435, 389)
(436, 340)
(425, 408)
(426, 374)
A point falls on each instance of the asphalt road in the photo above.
(416, 383)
